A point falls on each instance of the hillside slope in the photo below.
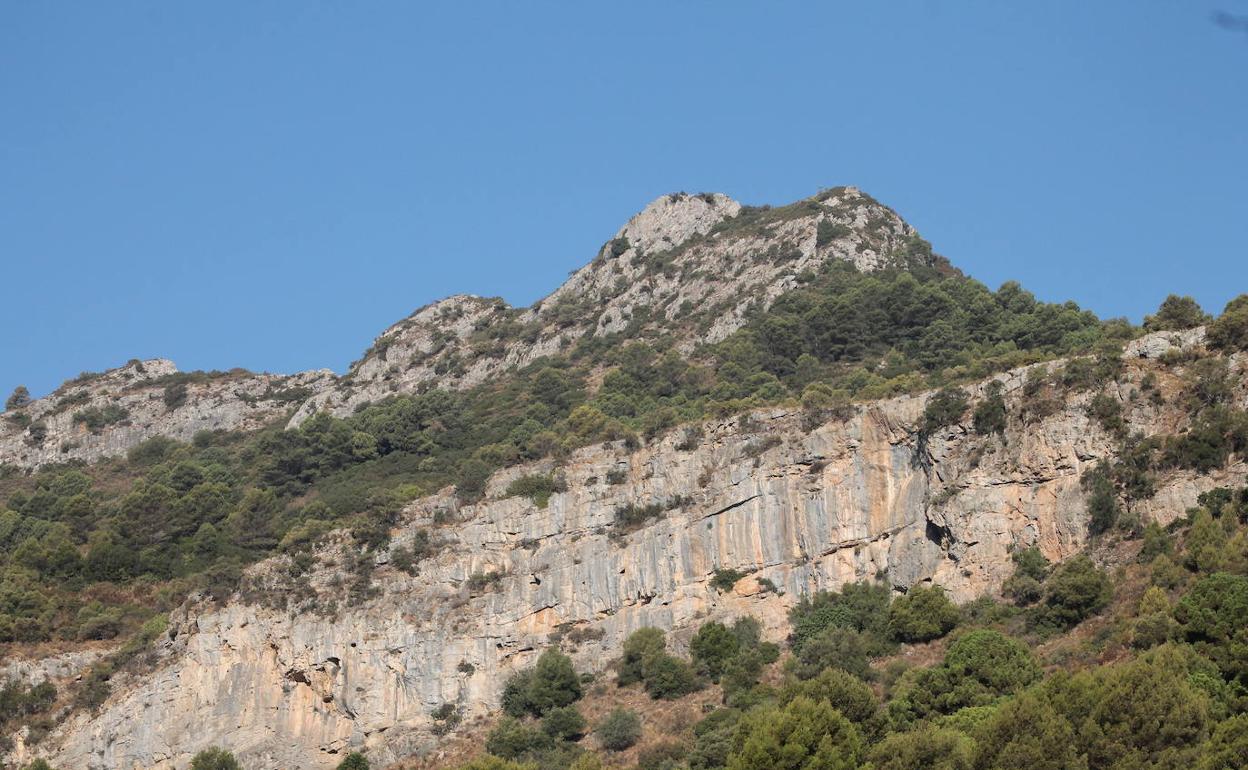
(727, 411)
(294, 685)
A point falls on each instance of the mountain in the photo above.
(730, 412)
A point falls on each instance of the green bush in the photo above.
(620, 730)
(1103, 508)
(712, 648)
(834, 647)
(990, 414)
(667, 677)
(1230, 331)
(537, 488)
(861, 607)
(928, 748)
(512, 739)
(847, 693)
(979, 667)
(354, 761)
(564, 723)
(551, 683)
(829, 231)
(214, 759)
(1176, 313)
(803, 734)
(1076, 590)
(725, 579)
(923, 614)
(945, 407)
(1213, 616)
(1028, 733)
(640, 645)
(18, 399)
(97, 419)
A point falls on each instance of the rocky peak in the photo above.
(670, 220)
(690, 266)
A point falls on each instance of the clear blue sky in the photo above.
(269, 185)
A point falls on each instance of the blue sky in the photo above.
(269, 185)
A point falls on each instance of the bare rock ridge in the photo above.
(102, 415)
(796, 509)
(687, 263)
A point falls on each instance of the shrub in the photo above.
(619, 730)
(928, 748)
(1176, 313)
(632, 516)
(1107, 411)
(512, 739)
(1076, 590)
(829, 231)
(990, 414)
(847, 693)
(354, 761)
(1230, 330)
(97, 418)
(640, 645)
(1103, 508)
(1228, 747)
(564, 723)
(1026, 732)
(979, 667)
(724, 579)
(18, 399)
(214, 759)
(175, 395)
(665, 755)
(834, 647)
(805, 733)
(924, 613)
(1156, 542)
(551, 683)
(536, 488)
(861, 607)
(944, 408)
(667, 677)
(1213, 616)
(712, 648)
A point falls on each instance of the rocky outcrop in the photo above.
(61, 666)
(104, 415)
(692, 265)
(797, 509)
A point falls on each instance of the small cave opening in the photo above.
(938, 534)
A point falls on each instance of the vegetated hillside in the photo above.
(924, 489)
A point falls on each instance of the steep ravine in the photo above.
(848, 500)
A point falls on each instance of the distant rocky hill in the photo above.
(103, 415)
(686, 265)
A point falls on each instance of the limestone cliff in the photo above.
(797, 508)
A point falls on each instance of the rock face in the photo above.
(105, 415)
(796, 508)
